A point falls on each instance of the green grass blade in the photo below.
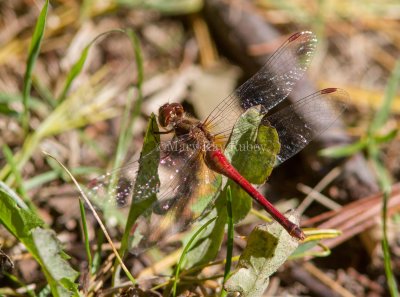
(85, 234)
(96, 263)
(385, 184)
(229, 244)
(126, 132)
(229, 249)
(15, 280)
(43, 91)
(381, 139)
(390, 93)
(128, 118)
(20, 183)
(52, 175)
(32, 56)
(35, 104)
(184, 252)
(171, 7)
(78, 66)
(344, 150)
(8, 154)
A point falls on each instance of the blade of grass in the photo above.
(20, 184)
(184, 252)
(229, 244)
(34, 104)
(49, 176)
(171, 7)
(8, 154)
(32, 56)
(85, 235)
(306, 250)
(385, 184)
(390, 93)
(97, 255)
(43, 92)
(344, 150)
(229, 248)
(128, 119)
(78, 66)
(20, 284)
(381, 139)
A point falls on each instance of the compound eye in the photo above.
(164, 114)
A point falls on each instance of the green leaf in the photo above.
(27, 227)
(253, 154)
(147, 169)
(52, 256)
(32, 56)
(268, 247)
(17, 218)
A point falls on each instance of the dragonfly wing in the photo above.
(305, 119)
(193, 197)
(269, 86)
(162, 201)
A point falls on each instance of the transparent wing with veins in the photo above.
(300, 122)
(168, 200)
(268, 87)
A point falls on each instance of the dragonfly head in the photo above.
(169, 112)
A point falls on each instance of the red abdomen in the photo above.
(217, 161)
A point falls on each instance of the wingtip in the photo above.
(328, 90)
(301, 33)
(295, 36)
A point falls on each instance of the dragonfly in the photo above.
(190, 163)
